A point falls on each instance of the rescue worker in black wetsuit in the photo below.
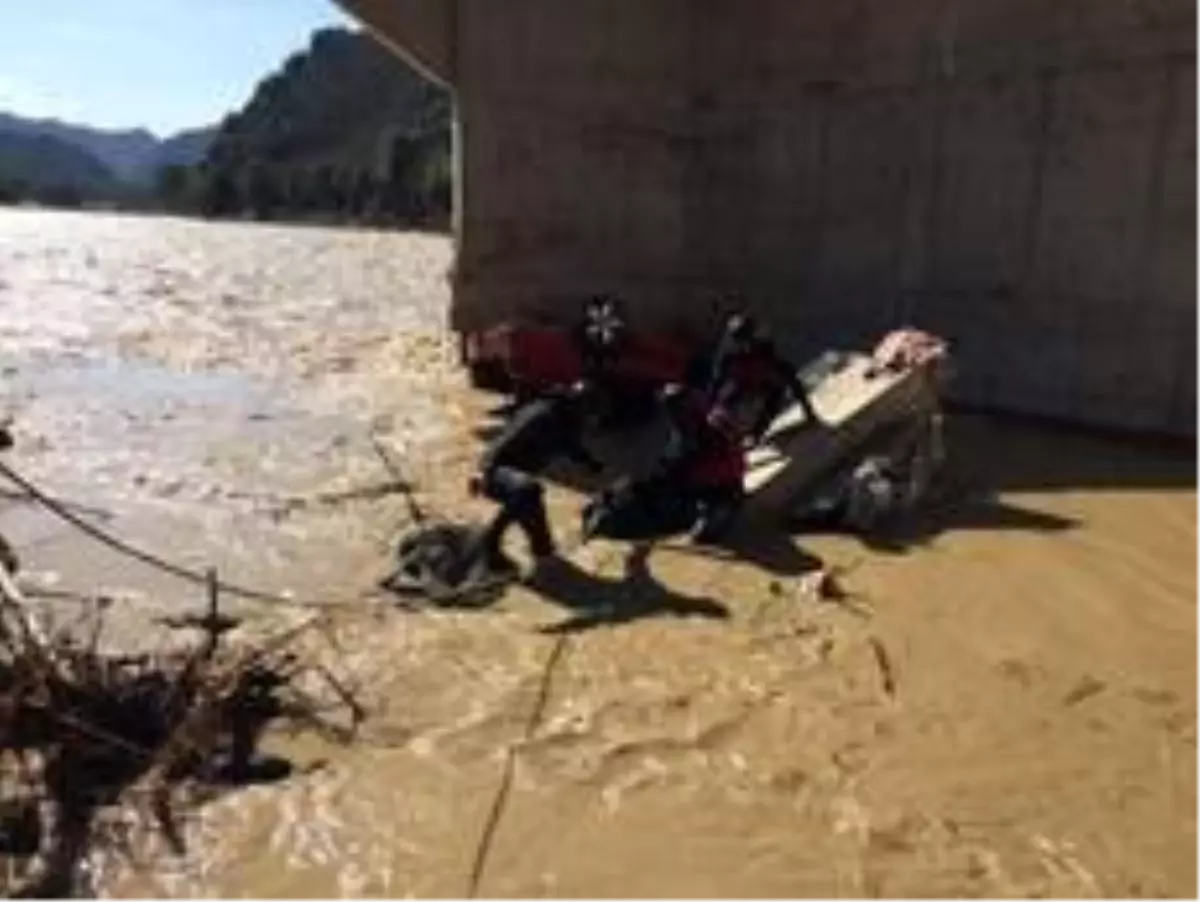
(746, 363)
(703, 463)
(539, 433)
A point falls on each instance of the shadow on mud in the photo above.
(971, 513)
(760, 545)
(434, 572)
(595, 602)
(953, 507)
(1011, 453)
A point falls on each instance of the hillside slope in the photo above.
(49, 169)
(131, 155)
(343, 128)
(333, 103)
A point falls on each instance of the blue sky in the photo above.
(162, 64)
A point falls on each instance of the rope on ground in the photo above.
(416, 514)
(199, 577)
(483, 849)
(9, 495)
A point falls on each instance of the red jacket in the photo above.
(711, 456)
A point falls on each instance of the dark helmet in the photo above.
(603, 306)
(741, 327)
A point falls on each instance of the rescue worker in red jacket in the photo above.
(746, 363)
(703, 463)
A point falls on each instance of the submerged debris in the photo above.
(88, 738)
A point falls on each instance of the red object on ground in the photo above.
(537, 359)
(654, 359)
(505, 357)
(543, 357)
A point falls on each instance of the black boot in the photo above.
(500, 564)
(714, 520)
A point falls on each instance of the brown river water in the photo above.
(1003, 703)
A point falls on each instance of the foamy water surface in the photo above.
(1003, 704)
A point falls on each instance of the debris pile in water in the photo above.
(90, 741)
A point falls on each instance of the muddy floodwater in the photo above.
(1001, 701)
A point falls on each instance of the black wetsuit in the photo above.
(538, 434)
(740, 368)
(694, 484)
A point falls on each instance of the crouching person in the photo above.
(695, 484)
(538, 434)
(703, 463)
(747, 366)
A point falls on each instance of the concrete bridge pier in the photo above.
(1017, 175)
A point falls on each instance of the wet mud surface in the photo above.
(1000, 702)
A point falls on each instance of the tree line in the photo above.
(18, 190)
(410, 184)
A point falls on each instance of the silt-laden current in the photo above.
(1003, 703)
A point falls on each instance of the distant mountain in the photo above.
(343, 130)
(47, 168)
(183, 149)
(133, 155)
(335, 103)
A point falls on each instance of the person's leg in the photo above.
(716, 510)
(503, 486)
(530, 514)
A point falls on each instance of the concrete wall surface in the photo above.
(1018, 175)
